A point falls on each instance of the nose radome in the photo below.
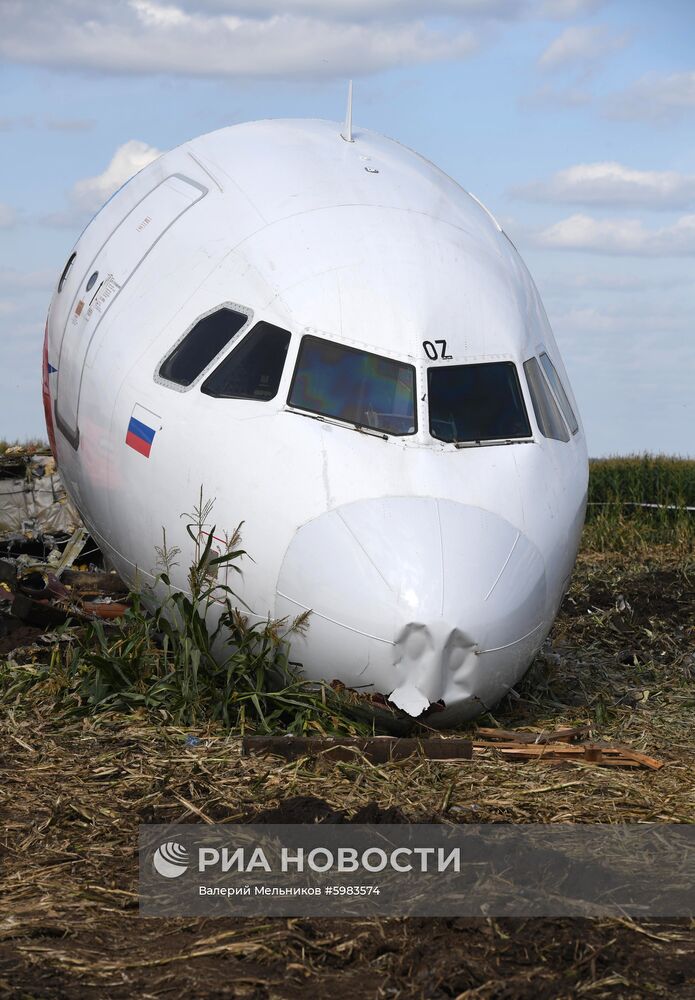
(415, 597)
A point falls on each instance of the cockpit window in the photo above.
(253, 369)
(475, 403)
(550, 422)
(202, 343)
(560, 394)
(362, 389)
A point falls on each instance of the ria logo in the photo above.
(170, 859)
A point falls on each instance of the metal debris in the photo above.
(36, 574)
(33, 500)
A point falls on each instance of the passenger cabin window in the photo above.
(560, 394)
(476, 403)
(360, 388)
(253, 370)
(193, 354)
(548, 416)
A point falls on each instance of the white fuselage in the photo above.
(433, 568)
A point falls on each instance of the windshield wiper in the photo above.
(492, 442)
(339, 423)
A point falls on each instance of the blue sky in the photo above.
(572, 120)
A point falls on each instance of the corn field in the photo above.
(640, 501)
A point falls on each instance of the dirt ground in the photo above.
(72, 793)
(13, 634)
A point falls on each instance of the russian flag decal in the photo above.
(141, 430)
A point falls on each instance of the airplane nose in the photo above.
(438, 600)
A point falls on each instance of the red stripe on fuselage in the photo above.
(46, 392)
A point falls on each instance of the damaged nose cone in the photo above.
(424, 600)
(425, 656)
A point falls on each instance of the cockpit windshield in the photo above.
(360, 388)
(475, 403)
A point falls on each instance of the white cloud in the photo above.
(361, 10)
(655, 98)
(383, 9)
(619, 236)
(274, 39)
(260, 38)
(160, 15)
(14, 280)
(617, 320)
(569, 8)
(580, 46)
(567, 286)
(8, 216)
(89, 195)
(611, 183)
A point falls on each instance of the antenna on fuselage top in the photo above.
(347, 127)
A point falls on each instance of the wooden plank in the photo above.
(604, 756)
(105, 610)
(555, 736)
(377, 749)
(530, 748)
(381, 749)
(643, 759)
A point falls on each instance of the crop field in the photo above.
(90, 750)
(650, 479)
(640, 501)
